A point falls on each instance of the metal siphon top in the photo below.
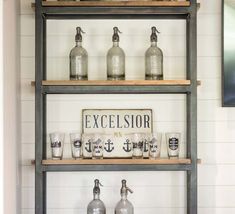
(153, 37)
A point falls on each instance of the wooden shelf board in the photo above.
(188, 4)
(113, 83)
(118, 82)
(72, 161)
(116, 162)
(116, 3)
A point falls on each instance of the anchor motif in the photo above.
(127, 144)
(88, 146)
(109, 144)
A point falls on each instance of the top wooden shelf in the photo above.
(116, 3)
(115, 87)
(118, 82)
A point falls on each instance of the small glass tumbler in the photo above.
(87, 139)
(173, 144)
(97, 146)
(57, 144)
(146, 145)
(155, 145)
(138, 145)
(76, 145)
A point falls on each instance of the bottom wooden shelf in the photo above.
(116, 162)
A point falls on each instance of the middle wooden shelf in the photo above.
(162, 161)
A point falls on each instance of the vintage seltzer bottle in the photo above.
(124, 206)
(78, 59)
(115, 59)
(154, 59)
(96, 206)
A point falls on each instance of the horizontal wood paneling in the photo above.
(25, 7)
(175, 111)
(67, 127)
(219, 153)
(216, 132)
(174, 67)
(220, 175)
(210, 7)
(80, 197)
(60, 46)
(58, 68)
(60, 198)
(28, 152)
(143, 210)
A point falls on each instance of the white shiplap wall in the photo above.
(154, 192)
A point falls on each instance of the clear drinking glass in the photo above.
(97, 146)
(138, 144)
(146, 145)
(57, 144)
(76, 145)
(173, 144)
(155, 145)
(87, 140)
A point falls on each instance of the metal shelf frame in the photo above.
(116, 89)
(44, 13)
(116, 167)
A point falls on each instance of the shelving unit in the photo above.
(45, 10)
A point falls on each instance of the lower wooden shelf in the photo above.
(142, 3)
(116, 162)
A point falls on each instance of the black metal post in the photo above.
(192, 108)
(40, 110)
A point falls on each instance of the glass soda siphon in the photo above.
(78, 59)
(154, 59)
(116, 59)
(124, 206)
(96, 206)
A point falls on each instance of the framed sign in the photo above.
(228, 53)
(115, 125)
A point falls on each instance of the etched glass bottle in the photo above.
(116, 59)
(78, 59)
(96, 206)
(124, 206)
(154, 59)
